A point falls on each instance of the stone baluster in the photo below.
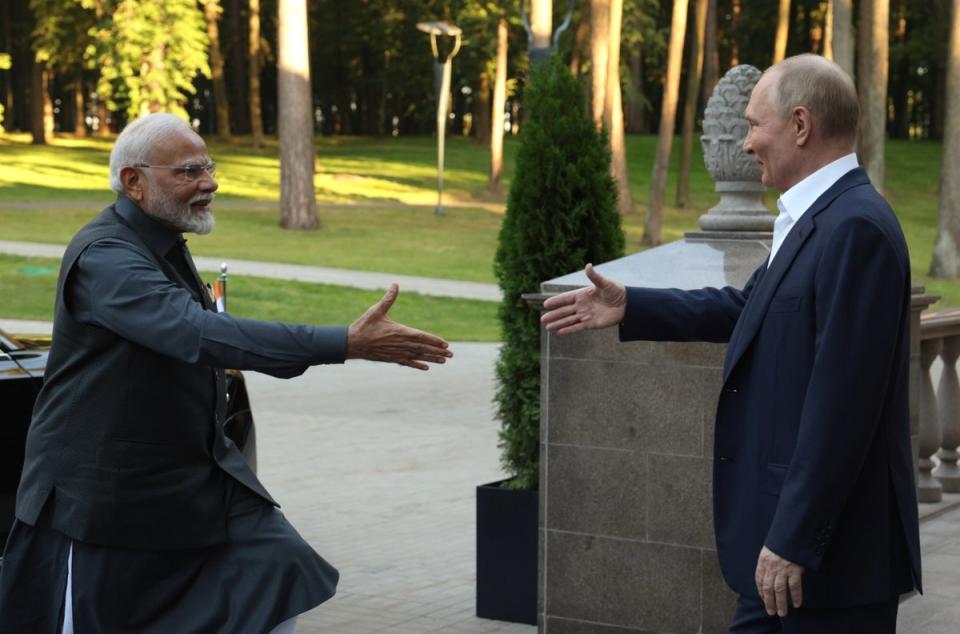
(948, 404)
(928, 487)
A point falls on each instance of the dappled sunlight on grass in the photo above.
(348, 169)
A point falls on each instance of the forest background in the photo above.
(73, 69)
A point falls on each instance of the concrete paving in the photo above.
(316, 274)
(377, 467)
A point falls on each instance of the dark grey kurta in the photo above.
(263, 572)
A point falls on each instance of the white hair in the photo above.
(135, 144)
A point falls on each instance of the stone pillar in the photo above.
(919, 303)
(626, 522)
(948, 404)
(928, 487)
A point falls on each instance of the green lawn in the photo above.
(33, 281)
(390, 184)
(349, 169)
(407, 240)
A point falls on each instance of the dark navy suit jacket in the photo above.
(812, 454)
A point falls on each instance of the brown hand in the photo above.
(775, 575)
(375, 337)
(598, 306)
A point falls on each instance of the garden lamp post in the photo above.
(441, 72)
(537, 44)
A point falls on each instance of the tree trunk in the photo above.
(938, 102)
(636, 108)
(613, 112)
(828, 31)
(237, 50)
(946, 250)
(734, 25)
(841, 34)
(253, 48)
(899, 85)
(49, 124)
(79, 109)
(541, 23)
(783, 28)
(298, 201)
(694, 72)
(872, 86)
(817, 33)
(599, 56)
(38, 86)
(103, 115)
(480, 127)
(668, 114)
(580, 40)
(711, 57)
(499, 104)
(212, 12)
(7, 77)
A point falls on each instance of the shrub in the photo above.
(561, 214)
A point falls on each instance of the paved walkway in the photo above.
(377, 467)
(319, 275)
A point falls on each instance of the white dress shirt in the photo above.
(795, 202)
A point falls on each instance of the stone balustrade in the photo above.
(939, 407)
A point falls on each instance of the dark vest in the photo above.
(126, 447)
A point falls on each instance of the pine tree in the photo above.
(561, 214)
(149, 53)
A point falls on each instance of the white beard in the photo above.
(180, 215)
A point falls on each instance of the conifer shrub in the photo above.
(561, 214)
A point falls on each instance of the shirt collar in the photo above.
(158, 238)
(798, 199)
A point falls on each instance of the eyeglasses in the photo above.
(187, 173)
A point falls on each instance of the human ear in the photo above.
(801, 122)
(132, 181)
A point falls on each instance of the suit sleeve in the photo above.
(860, 308)
(707, 314)
(116, 287)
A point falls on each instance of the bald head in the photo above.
(821, 87)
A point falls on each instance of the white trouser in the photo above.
(287, 627)
(68, 597)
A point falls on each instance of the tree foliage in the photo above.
(561, 214)
(149, 54)
(373, 69)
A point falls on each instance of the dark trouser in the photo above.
(876, 618)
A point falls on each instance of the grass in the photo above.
(348, 170)
(409, 241)
(390, 185)
(33, 282)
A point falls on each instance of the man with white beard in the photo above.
(135, 513)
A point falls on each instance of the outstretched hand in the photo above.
(598, 306)
(376, 337)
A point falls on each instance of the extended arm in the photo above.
(116, 287)
(708, 314)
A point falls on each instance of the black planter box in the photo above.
(507, 554)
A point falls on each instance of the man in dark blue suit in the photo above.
(814, 501)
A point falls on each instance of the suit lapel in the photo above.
(759, 301)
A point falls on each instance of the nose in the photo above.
(208, 183)
(747, 144)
